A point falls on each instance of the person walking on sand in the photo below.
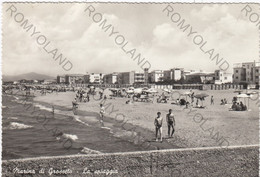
(212, 100)
(170, 122)
(158, 126)
(101, 113)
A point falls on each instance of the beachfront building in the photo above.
(221, 77)
(256, 73)
(132, 77)
(61, 79)
(126, 78)
(110, 78)
(96, 78)
(146, 75)
(173, 74)
(139, 78)
(74, 79)
(201, 77)
(156, 76)
(247, 73)
(86, 78)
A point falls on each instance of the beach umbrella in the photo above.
(201, 96)
(253, 92)
(186, 94)
(129, 91)
(243, 95)
(138, 90)
(152, 91)
(166, 90)
(238, 91)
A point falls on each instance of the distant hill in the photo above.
(27, 76)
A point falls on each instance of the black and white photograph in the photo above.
(130, 89)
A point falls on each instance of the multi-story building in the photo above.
(132, 77)
(221, 77)
(96, 78)
(167, 75)
(156, 76)
(139, 78)
(86, 78)
(110, 78)
(61, 79)
(246, 72)
(126, 78)
(256, 74)
(173, 74)
(146, 75)
(74, 79)
(201, 77)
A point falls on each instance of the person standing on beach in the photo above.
(170, 122)
(212, 100)
(158, 126)
(101, 113)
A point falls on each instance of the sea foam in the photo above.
(16, 125)
(86, 150)
(69, 136)
(43, 107)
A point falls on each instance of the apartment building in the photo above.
(221, 77)
(246, 73)
(156, 76)
(173, 74)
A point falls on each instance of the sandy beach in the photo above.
(213, 126)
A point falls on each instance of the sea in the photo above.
(35, 129)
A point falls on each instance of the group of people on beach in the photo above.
(158, 122)
(236, 106)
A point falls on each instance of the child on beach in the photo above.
(158, 126)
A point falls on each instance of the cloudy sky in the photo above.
(144, 26)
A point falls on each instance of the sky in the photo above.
(145, 27)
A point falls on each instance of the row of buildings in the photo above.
(247, 73)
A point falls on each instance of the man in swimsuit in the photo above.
(102, 112)
(170, 122)
(158, 126)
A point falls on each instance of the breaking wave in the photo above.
(70, 136)
(16, 125)
(43, 107)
